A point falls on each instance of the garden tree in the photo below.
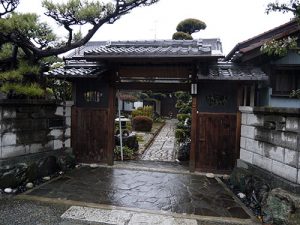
(187, 27)
(25, 41)
(281, 47)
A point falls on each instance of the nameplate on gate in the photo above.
(216, 100)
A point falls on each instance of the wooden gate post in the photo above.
(193, 134)
(111, 125)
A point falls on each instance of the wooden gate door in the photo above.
(90, 134)
(216, 141)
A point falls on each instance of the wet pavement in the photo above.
(168, 192)
(163, 146)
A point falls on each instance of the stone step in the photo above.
(88, 215)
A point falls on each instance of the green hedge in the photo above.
(143, 111)
(142, 123)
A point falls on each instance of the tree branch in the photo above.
(108, 14)
(8, 6)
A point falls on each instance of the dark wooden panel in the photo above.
(160, 87)
(168, 106)
(149, 71)
(89, 134)
(216, 141)
(193, 135)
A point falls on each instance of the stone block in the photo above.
(275, 118)
(285, 171)
(262, 162)
(35, 148)
(31, 124)
(244, 118)
(264, 135)
(37, 115)
(20, 115)
(254, 146)
(278, 121)
(273, 152)
(13, 151)
(291, 157)
(57, 133)
(248, 131)
(59, 111)
(68, 132)
(68, 143)
(31, 137)
(68, 121)
(293, 124)
(69, 103)
(290, 140)
(246, 109)
(253, 119)
(298, 179)
(9, 139)
(57, 144)
(7, 126)
(68, 111)
(246, 156)
(50, 145)
(243, 142)
(9, 113)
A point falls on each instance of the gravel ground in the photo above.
(24, 212)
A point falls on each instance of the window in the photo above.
(92, 96)
(284, 81)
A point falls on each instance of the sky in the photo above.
(232, 21)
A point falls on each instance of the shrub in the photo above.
(182, 117)
(180, 135)
(181, 36)
(142, 123)
(32, 90)
(184, 151)
(143, 111)
(127, 152)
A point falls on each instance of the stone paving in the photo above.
(163, 146)
(174, 193)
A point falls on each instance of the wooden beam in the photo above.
(252, 96)
(245, 95)
(73, 127)
(111, 125)
(238, 122)
(154, 86)
(193, 134)
(150, 71)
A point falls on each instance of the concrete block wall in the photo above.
(270, 140)
(65, 110)
(31, 127)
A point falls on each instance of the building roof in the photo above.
(88, 46)
(77, 69)
(256, 42)
(79, 65)
(151, 48)
(231, 71)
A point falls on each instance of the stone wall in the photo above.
(31, 127)
(270, 140)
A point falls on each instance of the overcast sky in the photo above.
(232, 21)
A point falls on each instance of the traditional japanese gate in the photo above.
(158, 66)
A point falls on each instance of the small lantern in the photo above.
(193, 88)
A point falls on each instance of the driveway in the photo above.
(173, 195)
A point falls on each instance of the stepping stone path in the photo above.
(163, 146)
